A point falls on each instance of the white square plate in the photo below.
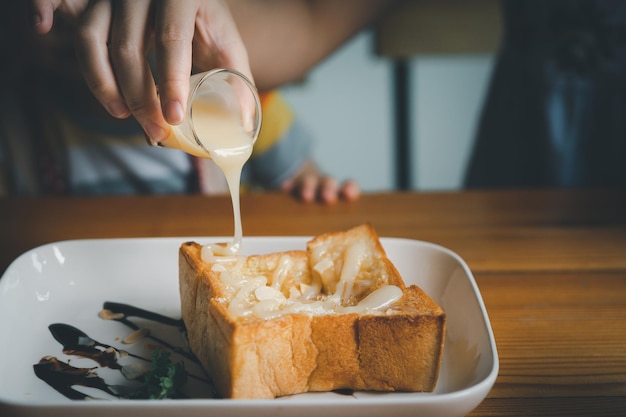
(68, 282)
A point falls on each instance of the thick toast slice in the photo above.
(336, 316)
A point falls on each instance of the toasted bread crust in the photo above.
(252, 357)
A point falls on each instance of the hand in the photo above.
(310, 185)
(113, 40)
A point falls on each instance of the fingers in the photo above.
(350, 191)
(217, 41)
(93, 56)
(128, 45)
(114, 38)
(328, 190)
(43, 14)
(175, 24)
(311, 186)
(112, 46)
(308, 188)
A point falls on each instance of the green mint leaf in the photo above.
(165, 380)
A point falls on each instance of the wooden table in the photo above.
(551, 266)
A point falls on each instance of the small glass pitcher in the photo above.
(224, 91)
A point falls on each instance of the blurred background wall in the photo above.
(348, 104)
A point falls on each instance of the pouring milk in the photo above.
(222, 123)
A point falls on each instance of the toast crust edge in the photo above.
(295, 353)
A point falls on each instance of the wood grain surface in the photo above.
(550, 264)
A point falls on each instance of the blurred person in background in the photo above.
(56, 138)
(555, 111)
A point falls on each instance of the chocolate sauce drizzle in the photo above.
(127, 311)
(76, 342)
(63, 377)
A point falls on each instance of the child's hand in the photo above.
(310, 185)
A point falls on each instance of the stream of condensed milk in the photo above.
(230, 147)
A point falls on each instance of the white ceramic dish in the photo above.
(69, 281)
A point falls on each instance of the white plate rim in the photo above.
(483, 386)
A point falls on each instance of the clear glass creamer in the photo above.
(223, 111)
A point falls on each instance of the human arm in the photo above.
(287, 38)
